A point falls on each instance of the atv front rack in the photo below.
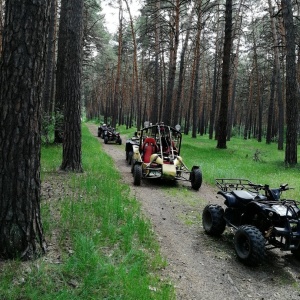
(231, 184)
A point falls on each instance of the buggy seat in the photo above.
(149, 147)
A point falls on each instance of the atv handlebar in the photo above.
(228, 184)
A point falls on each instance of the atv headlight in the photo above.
(271, 213)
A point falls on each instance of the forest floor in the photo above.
(199, 266)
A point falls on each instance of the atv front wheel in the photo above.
(249, 245)
(137, 174)
(106, 140)
(212, 219)
(196, 179)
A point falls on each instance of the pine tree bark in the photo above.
(292, 95)
(21, 84)
(60, 73)
(49, 77)
(71, 160)
(195, 94)
(215, 81)
(222, 132)
(156, 97)
(277, 79)
(179, 103)
(174, 38)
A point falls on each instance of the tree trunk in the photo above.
(271, 109)
(182, 71)
(278, 79)
(1, 25)
(222, 132)
(167, 114)
(135, 72)
(233, 79)
(60, 71)
(248, 109)
(215, 84)
(116, 92)
(292, 96)
(21, 84)
(196, 77)
(155, 105)
(259, 99)
(49, 77)
(72, 89)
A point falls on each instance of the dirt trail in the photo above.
(202, 267)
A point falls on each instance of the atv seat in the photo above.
(244, 196)
(149, 147)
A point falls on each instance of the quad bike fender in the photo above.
(230, 199)
(255, 207)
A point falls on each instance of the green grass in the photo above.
(237, 162)
(106, 249)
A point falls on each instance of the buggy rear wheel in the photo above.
(212, 219)
(137, 174)
(249, 245)
(196, 178)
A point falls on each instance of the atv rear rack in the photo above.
(231, 184)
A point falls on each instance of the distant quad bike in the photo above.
(157, 155)
(101, 130)
(129, 147)
(261, 221)
(110, 135)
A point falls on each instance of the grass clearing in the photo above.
(238, 161)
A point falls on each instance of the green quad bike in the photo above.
(157, 155)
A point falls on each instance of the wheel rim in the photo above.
(243, 246)
(207, 220)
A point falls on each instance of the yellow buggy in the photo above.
(158, 156)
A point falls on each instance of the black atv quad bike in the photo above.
(261, 221)
(111, 135)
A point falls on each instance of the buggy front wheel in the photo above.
(137, 174)
(196, 178)
(249, 245)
